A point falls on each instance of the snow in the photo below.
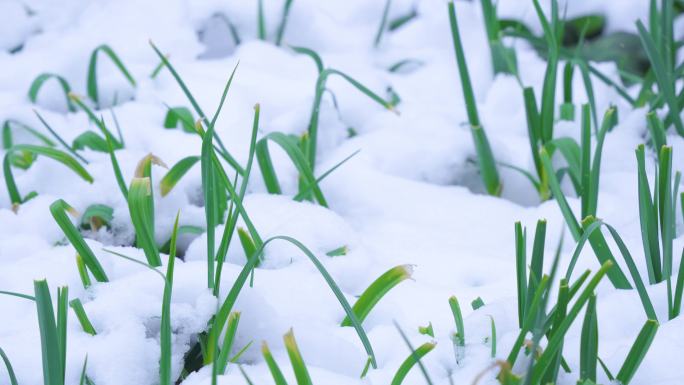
(411, 196)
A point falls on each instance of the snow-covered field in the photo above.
(412, 195)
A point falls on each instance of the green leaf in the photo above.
(83, 319)
(298, 365)
(376, 290)
(92, 70)
(589, 342)
(49, 152)
(165, 331)
(51, 342)
(410, 361)
(142, 217)
(175, 173)
(40, 80)
(59, 209)
(458, 319)
(277, 374)
(10, 370)
(637, 352)
(182, 116)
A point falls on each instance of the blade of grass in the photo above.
(10, 370)
(49, 336)
(49, 152)
(298, 365)
(40, 81)
(92, 70)
(637, 352)
(165, 327)
(283, 23)
(412, 359)
(82, 317)
(376, 290)
(139, 199)
(485, 157)
(59, 209)
(175, 173)
(276, 373)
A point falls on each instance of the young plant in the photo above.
(323, 74)
(459, 335)
(40, 81)
(485, 157)
(82, 317)
(227, 305)
(49, 152)
(59, 209)
(376, 290)
(52, 332)
(657, 217)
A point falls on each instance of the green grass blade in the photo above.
(648, 218)
(92, 70)
(485, 157)
(239, 283)
(49, 335)
(666, 209)
(52, 153)
(41, 79)
(10, 370)
(283, 23)
(554, 185)
(556, 340)
(637, 352)
(468, 94)
(180, 115)
(521, 270)
(296, 156)
(298, 365)
(383, 24)
(139, 199)
(589, 342)
(59, 209)
(410, 361)
(657, 130)
(277, 374)
(606, 125)
(459, 336)
(228, 339)
(59, 138)
(376, 290)
(82, 317)
(261, 20)
(585, 160)
(175, 173)
(165, 327)
(198, 110)
(663, 76)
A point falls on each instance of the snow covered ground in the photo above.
(411, 195)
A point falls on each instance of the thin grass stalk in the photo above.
(376, 290)
(165, 331)
(59, 209)
(490, 175)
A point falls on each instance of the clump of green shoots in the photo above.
(485, 157)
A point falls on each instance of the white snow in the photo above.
(411, 196)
